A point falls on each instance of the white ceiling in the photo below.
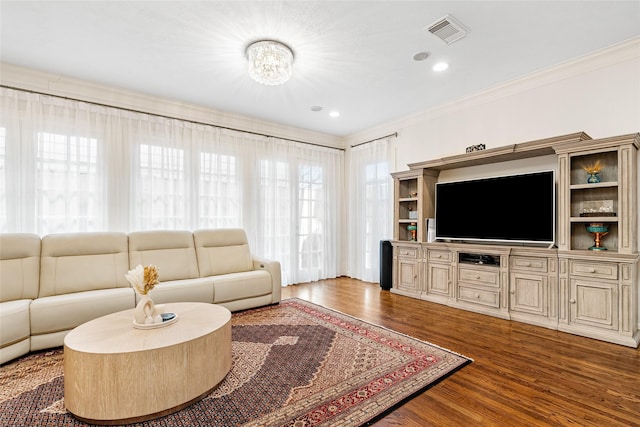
(351, 56)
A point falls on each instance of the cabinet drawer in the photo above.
(406, 252)
(533, 264)
(479, 296)
(600, 270)
(439, 256)
(479, 277)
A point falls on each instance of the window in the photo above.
(220, 192)
(68, 196)
(310, 205)
(69, 166)
(377, 190)
(161, 199)
(275, 202)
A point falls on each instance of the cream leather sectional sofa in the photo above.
(50, 285)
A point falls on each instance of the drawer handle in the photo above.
(438, 256)
(528, 264)
(572, 301)
(477, 295)
(477, 277)
(513, 292)
(405, 253)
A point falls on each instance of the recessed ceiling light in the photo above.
(421, 56)
(316, 108)
(440, 66)
(334, 114)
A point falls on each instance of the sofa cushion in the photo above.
(78, 262)
(14, 351)
(64, 312)
(236, 286)
(14, 321)
(171, 251)
(19, 266)
(189, 290)
(222, 251)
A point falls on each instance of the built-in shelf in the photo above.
(576, 287)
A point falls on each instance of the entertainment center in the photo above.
(575, 270)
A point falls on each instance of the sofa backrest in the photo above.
(19, 266)
(171, 251)
(222, 251)
(75, 262)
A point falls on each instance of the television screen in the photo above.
(513, 208)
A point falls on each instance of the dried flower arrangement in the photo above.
(143, 279)
(593, 168)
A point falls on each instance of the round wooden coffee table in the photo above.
(117, 374)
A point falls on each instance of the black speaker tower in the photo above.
(386, 259)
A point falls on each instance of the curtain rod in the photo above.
(376, 139)
(168, 117)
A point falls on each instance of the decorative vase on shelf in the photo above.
(593, 170)
(412, 228)
(599, 230)
(593, 178)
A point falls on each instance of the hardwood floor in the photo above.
(522, 375)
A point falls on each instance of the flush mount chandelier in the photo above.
(270, 62)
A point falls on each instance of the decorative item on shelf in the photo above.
(412, 228)
(594, 172)
(413, 195)
(593, 208)
(472, 148)
(599, 230)
(413, 214)
(147, 315)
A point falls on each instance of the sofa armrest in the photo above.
(273, 267)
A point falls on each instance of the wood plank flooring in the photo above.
(522, 375)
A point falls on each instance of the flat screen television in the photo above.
(507, 209)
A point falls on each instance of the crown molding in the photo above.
(626, 51)
(19, 77)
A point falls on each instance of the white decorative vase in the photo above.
(145, 312)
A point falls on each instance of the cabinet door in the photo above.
(594, 303)
(439, 279)
(407, 279)
(528, 293)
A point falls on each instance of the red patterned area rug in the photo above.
(294, 364)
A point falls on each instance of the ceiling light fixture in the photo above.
(270, 62)
(334, 114)
(440, 66)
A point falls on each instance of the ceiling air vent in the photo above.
(448, 29)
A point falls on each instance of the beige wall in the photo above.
(598, 94)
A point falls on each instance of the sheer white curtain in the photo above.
(295, 205)
(370, 213)
(53, 168)
(72, 166)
